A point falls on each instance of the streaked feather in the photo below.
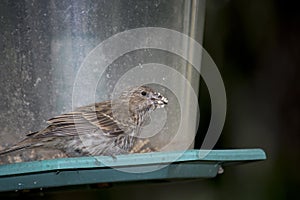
(105, 128)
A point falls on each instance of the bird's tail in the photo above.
(25, 143)
(12, 149)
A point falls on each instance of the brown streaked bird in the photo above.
(106, 128)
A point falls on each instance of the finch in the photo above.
(107, 128)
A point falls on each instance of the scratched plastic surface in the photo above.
(43, 44)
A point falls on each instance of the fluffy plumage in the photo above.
(105, 128)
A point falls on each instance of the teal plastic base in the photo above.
(134, 167)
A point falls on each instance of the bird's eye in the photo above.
(143, 93)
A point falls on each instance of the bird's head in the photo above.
(144, 98)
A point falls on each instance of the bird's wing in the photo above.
(97, 115)
(100, 115)
(69, 124)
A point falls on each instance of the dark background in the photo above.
(255, 44)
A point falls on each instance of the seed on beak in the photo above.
(161, 101)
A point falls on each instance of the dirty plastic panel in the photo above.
(44, 43)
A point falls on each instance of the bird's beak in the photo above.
(160, 100)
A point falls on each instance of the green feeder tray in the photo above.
(191, 164)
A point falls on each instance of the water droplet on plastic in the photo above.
(37, 81)
(220, 170)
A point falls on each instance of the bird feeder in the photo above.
(57, 55)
